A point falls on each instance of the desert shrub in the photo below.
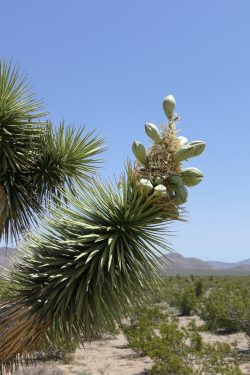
(215, 312)
(199, 287)
(181, 294)
(184, 293)
(239, 312)
(179, 351)
(141, 328)
(227, 306)
(185, 300)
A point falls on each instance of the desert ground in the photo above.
(110, 356)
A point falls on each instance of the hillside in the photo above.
(179, 265)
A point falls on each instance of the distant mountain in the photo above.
(179, 265)
(246, 261)
(224, 265)
(220, 265)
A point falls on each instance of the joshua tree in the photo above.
(89, 261)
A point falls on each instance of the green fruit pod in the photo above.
(176, 180)
(153, 132)
(189, 150)
(191, 176)
(191, 181)
(198, 147)
(140, 152)
(169, 106)
(191, 172)
(183, 153)
(146, 185)
(181, 195)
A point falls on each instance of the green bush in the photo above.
(141, 328)
(199, 287)
(227, 306)
(178, 351)
(185, 301)
(180, 293)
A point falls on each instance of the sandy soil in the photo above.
(106, 357)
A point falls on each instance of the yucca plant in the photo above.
(92, 260)
(36, 161)
(67, 161)
(85, 268)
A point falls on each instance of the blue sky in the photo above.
(108, 64)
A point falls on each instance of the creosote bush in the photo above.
(174, 350)
(181, 293)
(226, 307)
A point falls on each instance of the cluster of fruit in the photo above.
(159, 169)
